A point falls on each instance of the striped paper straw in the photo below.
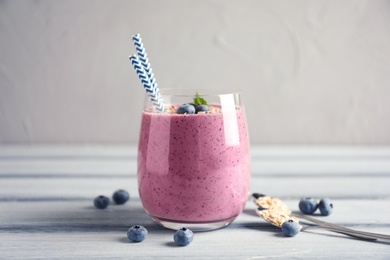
(143, 56)
(145, 81)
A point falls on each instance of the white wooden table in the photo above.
(46, 211)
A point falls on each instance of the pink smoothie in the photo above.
(194, 168)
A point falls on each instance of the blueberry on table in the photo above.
(308, 205)
(201, 108)
(101, 202)
(257, 195)
(120, 197)
(326, 207)
(291, 228)
(186, 109)
(137, 233)
(183, 237)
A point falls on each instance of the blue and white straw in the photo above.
(145, 81)
(143, 56)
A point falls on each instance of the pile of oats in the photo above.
(171, 109)
(273, 210)
(214, 110)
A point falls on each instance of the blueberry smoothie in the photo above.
(194, 168)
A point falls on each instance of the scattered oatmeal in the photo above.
(213, 110)
(273, 210)
(171, 109)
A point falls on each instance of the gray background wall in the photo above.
(311, 72)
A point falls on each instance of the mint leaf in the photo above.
(199, 101)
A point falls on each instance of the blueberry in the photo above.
(325, 206)
(120, 197)
(186, 109)
(257, 195)
(183, 236)
(290, 228)
(308, 205)
(202, 108)
(137, 233)
(101, 202)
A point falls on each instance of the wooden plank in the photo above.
(64, 188)
(121, 166)
(258, 151)
(73, 160)
(69, 216)
(72, 166)
(224, 244)
(285, 187)
(15, 152)
(50, 230)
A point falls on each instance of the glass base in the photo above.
(194, 226)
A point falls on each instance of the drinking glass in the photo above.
(194, 170)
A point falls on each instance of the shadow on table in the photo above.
(250, 212)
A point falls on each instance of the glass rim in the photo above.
(204, 92)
